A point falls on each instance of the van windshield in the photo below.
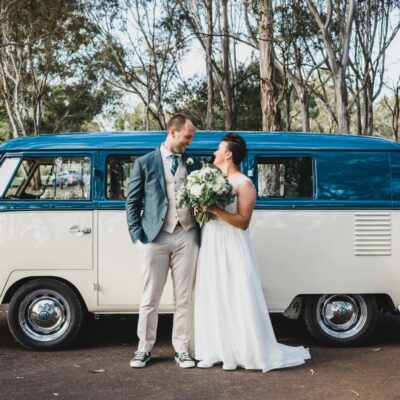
(7, 169)
(51, 178)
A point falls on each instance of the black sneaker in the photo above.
(184, 360)
(140, 359)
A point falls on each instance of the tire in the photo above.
(340, 319)
(45, 314)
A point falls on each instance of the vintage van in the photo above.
(325, 229)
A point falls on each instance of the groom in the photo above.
(166, 237)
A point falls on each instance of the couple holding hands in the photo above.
(229, 321)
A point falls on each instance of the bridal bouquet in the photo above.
(205, 187)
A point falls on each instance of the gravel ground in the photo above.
(96, 366)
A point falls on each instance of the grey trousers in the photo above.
(178, 251)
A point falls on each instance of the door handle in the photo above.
(80, 231)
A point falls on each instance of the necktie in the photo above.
(174, 163)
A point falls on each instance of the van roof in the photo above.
(203, 140)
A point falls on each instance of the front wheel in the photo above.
(341, 319)
(44, 314)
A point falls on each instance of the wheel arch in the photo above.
(384, 300)
(385, 303)
(16, 285)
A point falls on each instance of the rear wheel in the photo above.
(45, 314)
(341, 319)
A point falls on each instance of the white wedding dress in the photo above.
(231, 320)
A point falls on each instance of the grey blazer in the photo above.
(147, 184)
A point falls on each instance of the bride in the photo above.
(231, 320)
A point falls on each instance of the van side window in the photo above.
(285, 177)
(51, 178)
(119, 168)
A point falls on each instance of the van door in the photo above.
(119, 273)
(119, 269)
(47, 218)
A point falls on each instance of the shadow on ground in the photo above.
(116, 330)
(113, 330)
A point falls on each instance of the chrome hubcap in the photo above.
(342, 316)
(44, 315)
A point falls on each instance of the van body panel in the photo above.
(119, 267)
(313, 252)
(83, 281)
(45, 240)
(282, 241)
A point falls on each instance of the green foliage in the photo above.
(247, 99)
(190, 97)
(135, 121)
(74, 58)
(71, 108)
(52, 43)
(383, 118)
(4, 134)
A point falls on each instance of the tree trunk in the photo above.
(341, 103)
(358, 115)
(268, 103)
(396, 114)
(370, 106)
(305, 115)
(226, 79)
(358, 110)
(304, 111)
(288, 93)
(210, 82)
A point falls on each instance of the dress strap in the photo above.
(237, 182)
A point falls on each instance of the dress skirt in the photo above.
(231, 320)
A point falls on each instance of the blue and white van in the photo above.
(325, 229)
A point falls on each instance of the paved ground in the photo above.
(369, 372)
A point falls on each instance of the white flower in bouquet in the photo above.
(205, 187)
(196, 190)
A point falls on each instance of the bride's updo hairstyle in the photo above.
(237, 146)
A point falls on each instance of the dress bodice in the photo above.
(236, 182)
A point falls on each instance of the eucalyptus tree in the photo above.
(208, 4)
(280, 31)
(140, 49)
(335, 20)
(294, 49)
(40, 46)
(261, 37)
(208, 20)
(267, 68)
(376, 25)
(393, 105)
(191, 97)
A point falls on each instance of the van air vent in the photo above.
(372, 234)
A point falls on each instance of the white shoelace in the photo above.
(184, 356)
(140, 355)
